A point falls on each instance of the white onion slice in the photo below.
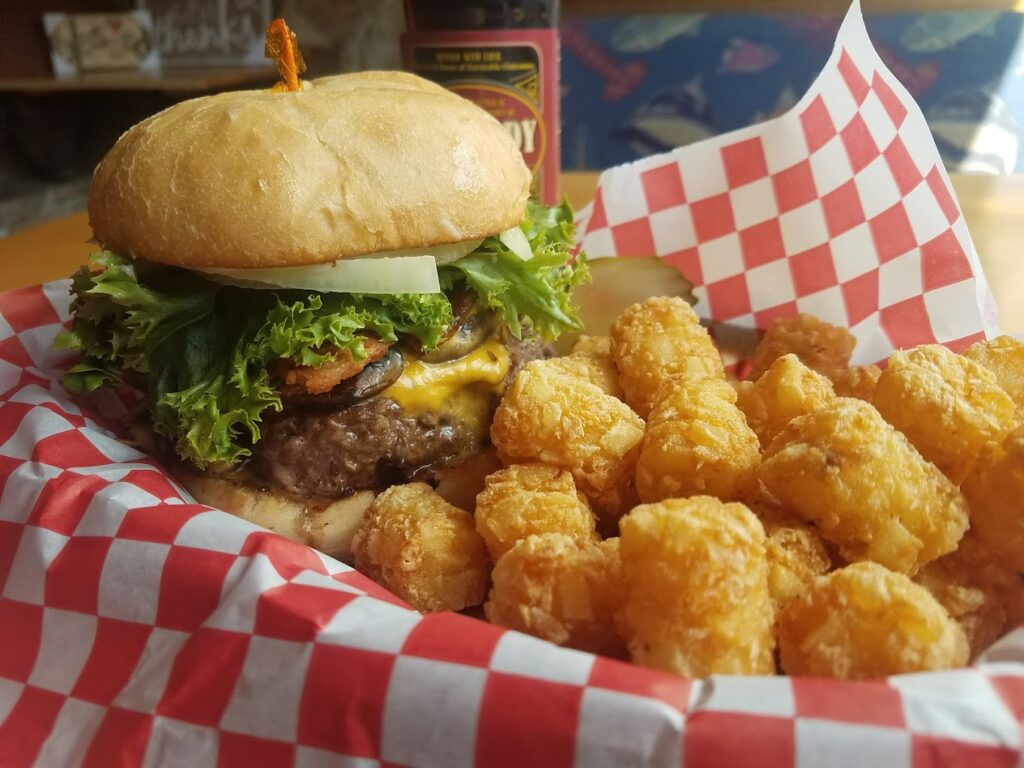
(515, 240)
(398, 274)
(443, 254)
(412, 270)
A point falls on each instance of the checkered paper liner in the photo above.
(840, 208)
(138, 627)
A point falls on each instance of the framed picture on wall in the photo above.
(101, 42)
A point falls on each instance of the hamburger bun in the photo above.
(351, 165)
(328, 526)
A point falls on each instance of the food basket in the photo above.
(137, 627)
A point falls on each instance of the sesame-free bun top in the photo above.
(351, 165)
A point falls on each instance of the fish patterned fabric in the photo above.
(637, 85)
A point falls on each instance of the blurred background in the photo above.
(636, 78)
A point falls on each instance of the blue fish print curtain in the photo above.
(634, 85)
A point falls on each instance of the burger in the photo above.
(318, 293)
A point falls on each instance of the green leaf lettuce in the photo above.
(205, 352)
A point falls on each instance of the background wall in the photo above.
(634, 85)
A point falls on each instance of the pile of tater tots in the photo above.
(815, 518)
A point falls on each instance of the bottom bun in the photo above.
(326, 525)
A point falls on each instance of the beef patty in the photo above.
(369, 445)
(310, 451)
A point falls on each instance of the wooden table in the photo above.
(993, 207)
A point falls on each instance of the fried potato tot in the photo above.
(526, 499)
(865, 487)
(796, 556)
(414, 543)
(859, 381)
(561, 420)
(598, 347)
(995, 495)
(1004, 356)
(865, 621)
(769, 510)
(821, 346)
(1011, 597)
(975, 564)
(697, 598)
(657, 340)
(596, 351)
(601, 373)
(972, 602)
(697, 442)
(786, 390)
(562, 590)
(947, 405)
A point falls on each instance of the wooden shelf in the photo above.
(618, 7)
(168, 80)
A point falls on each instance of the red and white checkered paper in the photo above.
(840, 208)
(140, 628)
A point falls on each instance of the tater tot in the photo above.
(601, 373)
(427, 552)
(769, 510)
(973, 603)
(859, 381)
(697, 442)
(786, 390)
(526, 499)
(562, 590)
(995, 494)
(1004, 356)
(947, 405)
(599, 347)
(657, 340)
(865, 487)
(1011, 596)
(821, 346)
(551, 417)
(601, 368)
(865, 621)
(796, 556)
(974, 563)
(697, 598)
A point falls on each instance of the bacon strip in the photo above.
(316, 381)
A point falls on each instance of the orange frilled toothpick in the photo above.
(283, 49)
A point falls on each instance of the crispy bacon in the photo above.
(316, 381)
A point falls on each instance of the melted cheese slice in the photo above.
(432, 386)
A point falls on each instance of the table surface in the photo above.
(992, 205)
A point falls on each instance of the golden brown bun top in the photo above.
(353, 164)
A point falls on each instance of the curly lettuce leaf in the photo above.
(214, 382)
(206, 395)
(119, 322)
(536, 293)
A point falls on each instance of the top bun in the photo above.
(353, 164)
